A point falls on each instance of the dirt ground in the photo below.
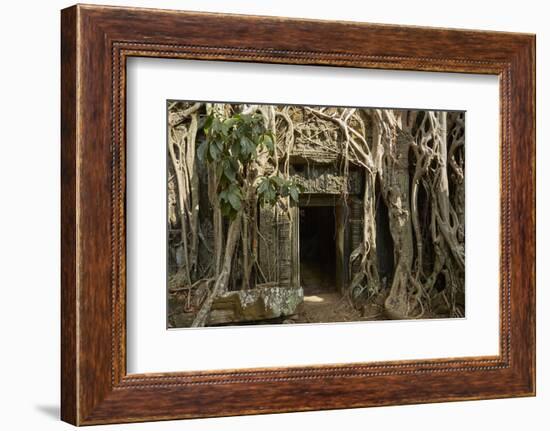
(332, 307)
(324, 304)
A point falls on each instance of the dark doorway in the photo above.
(384, 241)
(317, 249)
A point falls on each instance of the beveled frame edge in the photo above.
(96, 41)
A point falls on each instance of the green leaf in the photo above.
(246, 147)
(214, 152)
(264, 184)
(233, 188)
(226, 210)
(208, 123)
(230, 122)
(216, 125)
(268, 142)
(229, 172)
(244, 144)
(294, 194)
(219, 171)
(234, 164)
(278, 180)
(234, 201)
(235, 149)
(285, 191)
(201, 151)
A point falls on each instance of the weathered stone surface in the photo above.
(325, 179)
(262, 303)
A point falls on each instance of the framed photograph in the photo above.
(264, 214)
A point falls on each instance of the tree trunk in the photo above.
(221, 281)
(217, 221)
(396, 195)
(246, 254)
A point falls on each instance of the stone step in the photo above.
(263, 303)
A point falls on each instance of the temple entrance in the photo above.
(318, 249)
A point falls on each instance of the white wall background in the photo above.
(29, 215)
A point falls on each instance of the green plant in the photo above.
(232, 145)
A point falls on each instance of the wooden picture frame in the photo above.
(95, 43)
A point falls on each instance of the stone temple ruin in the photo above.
(313, 246)
(304, 248)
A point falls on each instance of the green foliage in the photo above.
(238, 137)
(270, 189)
(230, 200)
(231, 145)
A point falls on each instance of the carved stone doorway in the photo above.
(321, 239)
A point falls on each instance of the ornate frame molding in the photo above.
(96, 41)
